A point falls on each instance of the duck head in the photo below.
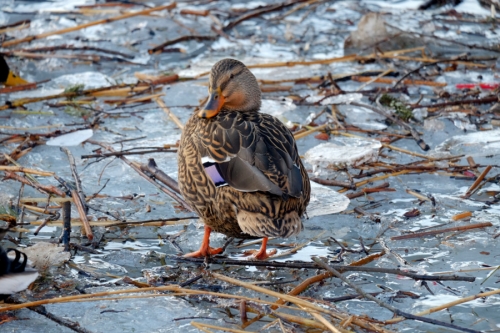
(232, 87)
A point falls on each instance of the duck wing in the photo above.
(251, 152)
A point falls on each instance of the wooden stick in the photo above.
(461, 216)
(83, 216)
(322, 320)
(311, 131)
(25, 170)
(203, 12)
(477, 182)
(40, 187)
(169, 113)
(86, 25)
(435, 232)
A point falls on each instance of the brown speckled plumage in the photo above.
(267, 187)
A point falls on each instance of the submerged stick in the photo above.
(310, 265)
(435, 232)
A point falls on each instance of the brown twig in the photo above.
(169, 113)
(477, 182)
(43, 188)
(26, 170)
(380, 188)
(327, 182)
(153, 169)
(83, 215)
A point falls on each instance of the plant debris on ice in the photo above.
(396, 112)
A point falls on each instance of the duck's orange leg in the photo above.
(261, 254)
(205, 249)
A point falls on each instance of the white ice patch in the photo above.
(90, 80)
(325, 201)
(408, 4)
(277, 108)
(330, 155)
(472, 7)
(71, 139)
(339, 99)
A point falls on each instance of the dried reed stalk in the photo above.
(169, 113)
(26, 170)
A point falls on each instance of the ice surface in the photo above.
(477, 144)
(316, 32)
(353, 152)
(325, 201)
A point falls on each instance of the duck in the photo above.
(238, 168)
(8, 77)
(15, 274)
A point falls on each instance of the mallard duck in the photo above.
(7, 77)
(239, 169)
(14, 274)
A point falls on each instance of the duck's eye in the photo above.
(216, 97)
(231, 76)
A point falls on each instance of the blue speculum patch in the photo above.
(213, 172)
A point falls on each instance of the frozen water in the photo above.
(315, 32)
(325, 201)
(353, 152)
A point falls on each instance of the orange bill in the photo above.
(213, 106)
